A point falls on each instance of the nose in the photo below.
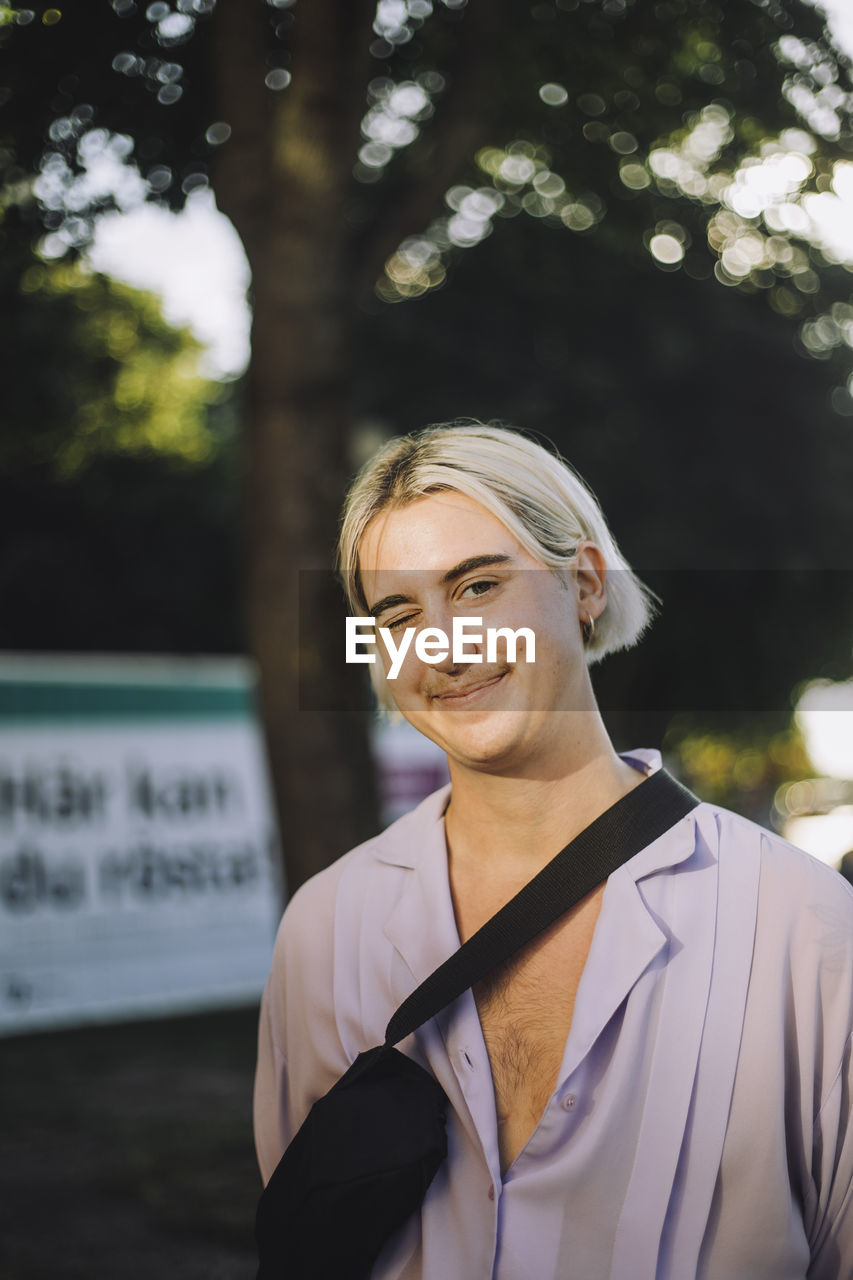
(446, 665)
(464, 652)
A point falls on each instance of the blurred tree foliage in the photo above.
(741, 769)
(94, 369)
(118, 517)
(643, 176)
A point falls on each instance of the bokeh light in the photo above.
(767, 211)
(825, 716)
(554, 95)
(277, 79)
(666, 249)
(393, 118)
(522, 181)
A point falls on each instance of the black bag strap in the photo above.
(633, 822)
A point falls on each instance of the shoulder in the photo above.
(332, 927)
(367, 875)
(784, 869)
(804, 907)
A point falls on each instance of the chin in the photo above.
(486, 741)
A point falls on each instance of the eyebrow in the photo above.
(458, 571)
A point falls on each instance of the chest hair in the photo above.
(525, 1021)
(525, 1010)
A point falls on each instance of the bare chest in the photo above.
(525, 1011)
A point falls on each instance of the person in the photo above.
(659, 1085)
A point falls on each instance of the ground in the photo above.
(127, 1150)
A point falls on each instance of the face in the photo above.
(446, 556)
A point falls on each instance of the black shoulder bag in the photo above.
(365, 1155)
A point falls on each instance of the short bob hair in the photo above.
(533, 492)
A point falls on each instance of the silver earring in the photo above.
(588, 628)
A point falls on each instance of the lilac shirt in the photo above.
(700, 1124)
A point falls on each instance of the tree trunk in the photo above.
(283, 181)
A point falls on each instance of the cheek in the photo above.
(515, 653)
(407, 674)
(559, 651)
(550, 611)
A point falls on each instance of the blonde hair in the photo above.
(534, 493)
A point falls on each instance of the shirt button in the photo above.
(568, 1103)
(491, 1191)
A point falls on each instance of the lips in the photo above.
(460, 695)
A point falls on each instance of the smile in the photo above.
(471, 693)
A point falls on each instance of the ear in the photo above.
(590, 577)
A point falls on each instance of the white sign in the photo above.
(138, 868)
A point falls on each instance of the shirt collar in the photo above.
(417, 842)
(406, 841)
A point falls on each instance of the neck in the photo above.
(516, 824)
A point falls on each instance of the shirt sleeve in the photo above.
(270, 1107)
(299, 1050)
(832, 1233)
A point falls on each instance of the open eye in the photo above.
(478, 588)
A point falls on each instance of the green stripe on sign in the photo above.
(51, 700)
